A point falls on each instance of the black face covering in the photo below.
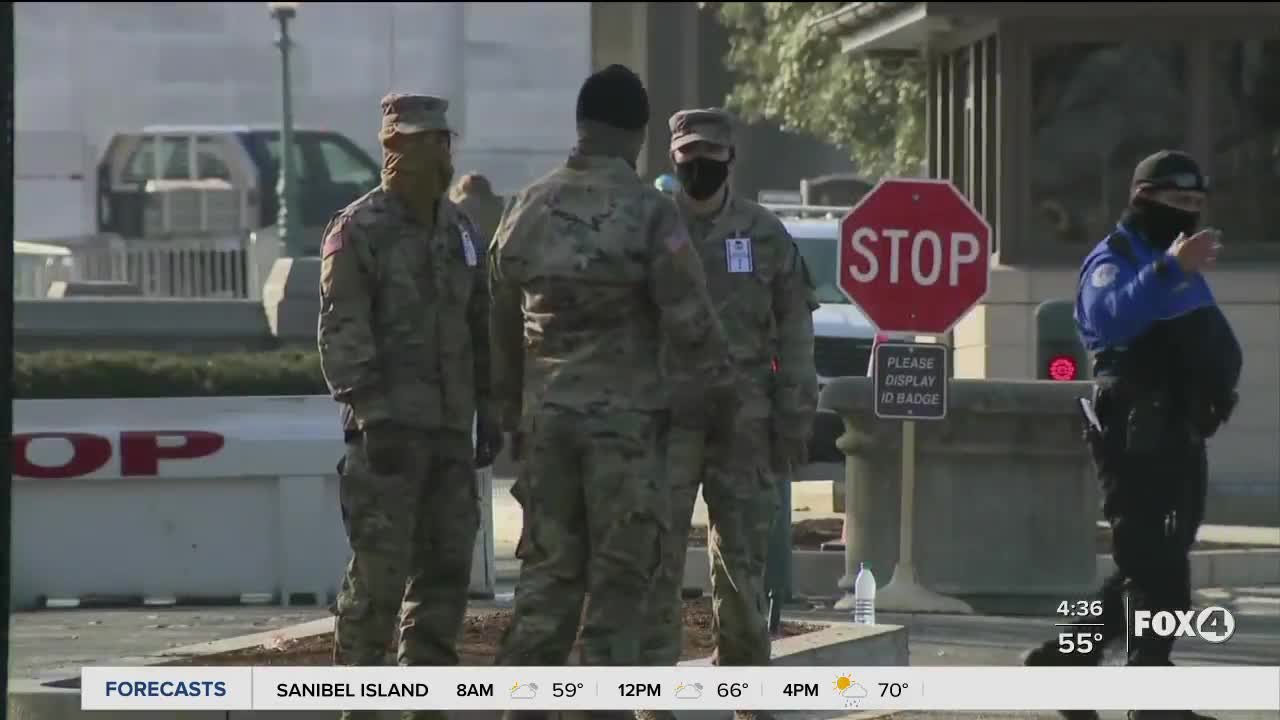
(701, 177)
(1160, 223)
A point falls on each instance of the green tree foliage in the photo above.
(793, 75)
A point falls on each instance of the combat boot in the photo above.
(1167, 715)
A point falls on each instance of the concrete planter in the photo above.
(1006, 502)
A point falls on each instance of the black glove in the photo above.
(788, 452)
(386, 444)
(488, 440)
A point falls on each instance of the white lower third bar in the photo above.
(675, 688)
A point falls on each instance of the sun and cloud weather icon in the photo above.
(526, 691)
(689, 691)
(850, 690)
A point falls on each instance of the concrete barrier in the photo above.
(162, 324)
(1006, 502)
(186, 500)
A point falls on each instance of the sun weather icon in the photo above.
(851, 691)
(689, 692)
(527, 691)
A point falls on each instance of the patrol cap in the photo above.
(408, 114)
(708, 125)
(1169, 170)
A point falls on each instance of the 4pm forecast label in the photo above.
(911, 381)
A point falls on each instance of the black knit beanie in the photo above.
(616, 97)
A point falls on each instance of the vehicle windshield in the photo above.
(820, 255)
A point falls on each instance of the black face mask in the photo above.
(701, 177)
(1161, 224)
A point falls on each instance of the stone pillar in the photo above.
(430, 53)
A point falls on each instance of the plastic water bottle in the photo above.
(864, 596)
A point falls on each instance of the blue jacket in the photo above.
(1130, 293)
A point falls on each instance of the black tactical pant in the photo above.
(1154, 472)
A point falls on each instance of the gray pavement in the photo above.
(53, 642)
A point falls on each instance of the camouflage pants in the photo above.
(412, 536)
(595, 509)
(739, 489)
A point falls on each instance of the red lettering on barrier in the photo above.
(141, 452)
(89, 453)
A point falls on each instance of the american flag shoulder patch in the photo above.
(336, 239)
(678, 239)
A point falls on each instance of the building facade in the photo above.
(1038, 112)
(86, 70)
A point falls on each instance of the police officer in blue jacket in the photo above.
(1166, 364)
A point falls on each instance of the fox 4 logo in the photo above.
(1212, 624)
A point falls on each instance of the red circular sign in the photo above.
(914, 256)
(1062, 368)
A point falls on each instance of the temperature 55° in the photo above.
(1081, 642)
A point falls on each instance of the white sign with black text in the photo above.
(910, 381)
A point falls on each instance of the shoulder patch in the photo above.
(336, 239)
(1104, 275)
(678, 239)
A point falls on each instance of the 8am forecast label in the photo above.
(911, 381)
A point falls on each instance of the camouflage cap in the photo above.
(408, 114)
(709, 125)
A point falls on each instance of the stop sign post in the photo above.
(914, 256)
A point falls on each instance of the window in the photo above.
(175, 158)
(142, 164)
(1245, 126)
(1097, 109)
(210, 164)
(345, 167)
(295, 157)
(820, 255)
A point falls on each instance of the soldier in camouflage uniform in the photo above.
(591, 268)
(474, 196)
(404, 344)
(765, 299)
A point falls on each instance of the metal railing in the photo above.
(201, 267)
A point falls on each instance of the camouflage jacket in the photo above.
(765, 300)
(404, 312)
(485, 211)
(591, 269)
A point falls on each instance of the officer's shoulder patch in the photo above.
(1104, 275)
(336, 239)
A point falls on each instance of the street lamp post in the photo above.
(286, 218)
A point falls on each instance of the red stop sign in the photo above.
(914, 256)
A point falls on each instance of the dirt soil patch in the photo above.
(805, 534)
(481, 633)
(811, 534)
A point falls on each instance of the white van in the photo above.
(843, 337)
